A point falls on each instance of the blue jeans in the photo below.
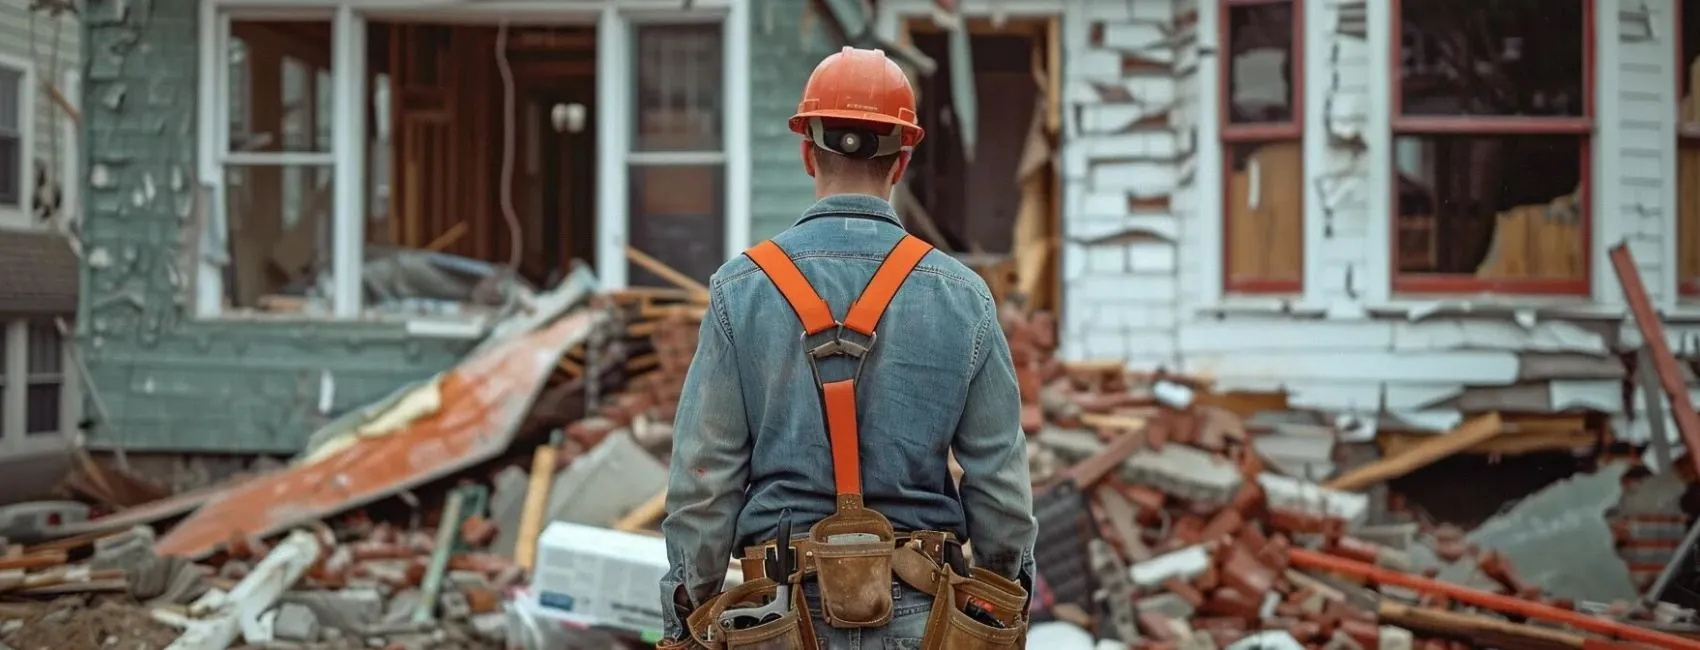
(910, 608)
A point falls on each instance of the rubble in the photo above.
(1171, 516)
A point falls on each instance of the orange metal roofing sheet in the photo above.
(484, 399)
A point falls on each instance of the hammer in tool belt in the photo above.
(779, 568)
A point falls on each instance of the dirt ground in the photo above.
(106, 623)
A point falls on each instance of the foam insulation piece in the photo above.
(1544, 534)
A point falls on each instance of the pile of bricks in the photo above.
(1200, 545)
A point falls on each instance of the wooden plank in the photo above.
(641, 516)
(536, 500)
(1658, 349)
(1469, 434)
(666, 272)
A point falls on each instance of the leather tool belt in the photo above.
(853, 554)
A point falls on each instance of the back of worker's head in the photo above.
(857, 119)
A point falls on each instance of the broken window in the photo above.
(676, 174)
(12, 155)
(1262, 138)
(278, 162)
(1491, 123)
(1688, 153)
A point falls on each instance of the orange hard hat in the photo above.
(857, 85)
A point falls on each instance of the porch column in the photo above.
(348, 144)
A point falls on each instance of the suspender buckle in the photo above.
(840, 345)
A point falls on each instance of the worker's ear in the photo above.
(899, 167)
(809, 157)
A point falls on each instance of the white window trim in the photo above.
(1373, 279)
(71, 156)
(14, 395)
(616, 91)
(614, 20)
(20, 217)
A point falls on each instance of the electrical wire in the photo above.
(506, 190)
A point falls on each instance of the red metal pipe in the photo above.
(1503, 604)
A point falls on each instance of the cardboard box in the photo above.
(603, 577)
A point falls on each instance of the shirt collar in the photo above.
(860, 206)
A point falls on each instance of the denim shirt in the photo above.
(749, 437)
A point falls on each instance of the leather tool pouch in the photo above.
(854, 576)
(686, 643)
(785, 633)
(950, 626)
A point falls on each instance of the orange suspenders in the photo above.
(839, 397)
(855, 547)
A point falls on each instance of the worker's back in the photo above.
(911, 391)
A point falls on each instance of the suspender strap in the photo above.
(811, 310)
(838, 398)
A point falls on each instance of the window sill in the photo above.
(1420, 307)
(458, 327)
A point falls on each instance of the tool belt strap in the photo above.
(913, 563)
(838, 397)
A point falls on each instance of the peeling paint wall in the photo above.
(1129, 133)
(785, 49)
(169, 382)
(1144, 253)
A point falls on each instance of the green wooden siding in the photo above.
(170, 382)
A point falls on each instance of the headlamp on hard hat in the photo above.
(854, 140)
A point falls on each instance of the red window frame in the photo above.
(1495, 126)
(1687, 137)
(1259, 132)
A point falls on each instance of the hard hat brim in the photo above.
(799, 122)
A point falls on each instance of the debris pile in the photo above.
(1171, 516)
(1203, 539)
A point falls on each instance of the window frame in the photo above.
(614, 20)
(1231, 135)
(217, 159)
(16, 380)
(20, 216)
(1687, 137)
(635, 157)
(1482, 125)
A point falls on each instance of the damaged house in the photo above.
(40, 392)
(1398, 212)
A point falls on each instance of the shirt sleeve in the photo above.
(997, 494)
(707, 475)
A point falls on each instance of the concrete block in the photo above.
(492, 627)
(452, 605)
(1185, 472)
(352, 610)
(295, 622)
(1186, 564)
(602, 486)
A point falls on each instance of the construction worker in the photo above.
(795, 410)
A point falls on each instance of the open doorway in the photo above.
(444, 158)
(991, 198)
